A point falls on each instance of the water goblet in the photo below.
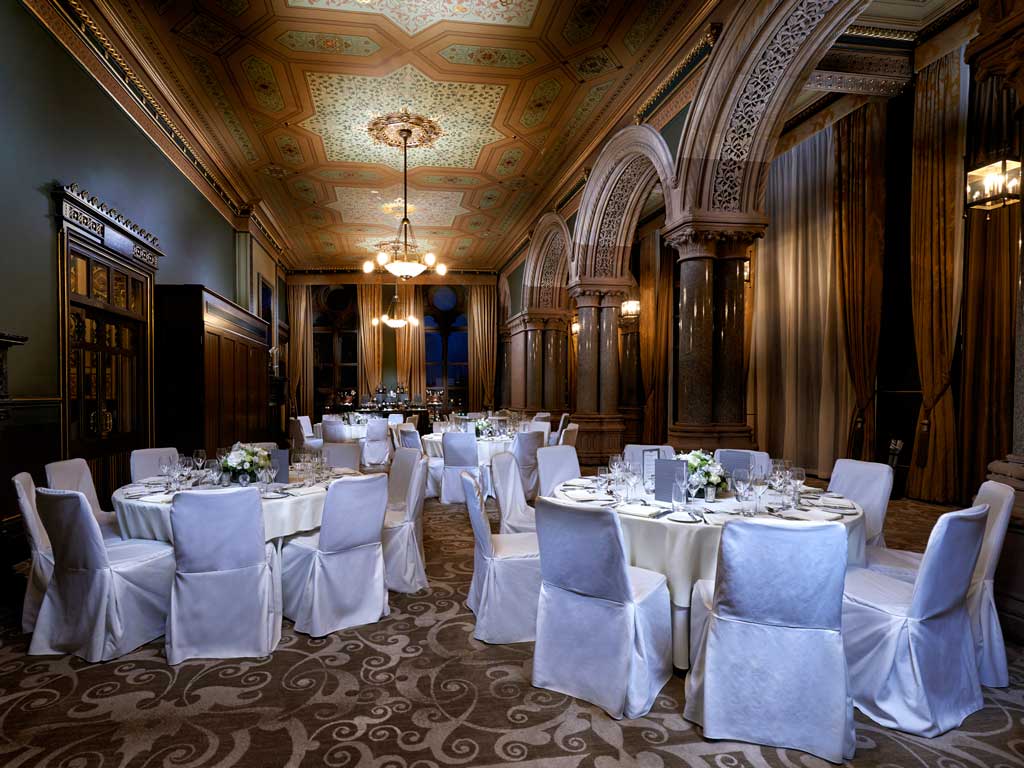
(680, 492)
(797, 475)
(199, 458)
(759, 482)
(275, 469)
(244, 479)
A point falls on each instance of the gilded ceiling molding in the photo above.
(881, 33)
(693, 58)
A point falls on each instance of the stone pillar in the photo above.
(587, 364)
(729, 398)
(534, 364)
(694, 381)
(611, 304)
(630, 375)
(506, 368)
(554, 365)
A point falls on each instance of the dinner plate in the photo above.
(680, 517)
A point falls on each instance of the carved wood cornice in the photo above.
(998, 50)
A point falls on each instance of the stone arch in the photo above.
(547, 264)
(630, 164)
(504, 298)
(765, 54)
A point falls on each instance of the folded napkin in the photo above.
(576, 495)
(313, 489)
(639, 510)
(835, 503)
(812, 515)
(344, 471)
(157, 498)
(579, 482)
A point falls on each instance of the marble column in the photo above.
(554, 366)
(611, 304)
(534, 364)
(506, 369)
(696, 332)
(631, 379)
(729, 395)
(587, 365)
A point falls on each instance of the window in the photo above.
(446, 332)
(335, 346)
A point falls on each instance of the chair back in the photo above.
(75, 538)
(343, 455)
(145, 462)
(354, 512)
(563, 422)
(477, 517)
(475, 415)
(543, 428)
(335, 431)
(633, 454)
(395, 418)
(25, 490)
(544, 416)
(738, 458)
(508, 486)
(376, 430)
(569, 435)
(1000, 498)
(869, 484)
(581, 550)
(948, 562)
(402, 464)
(414, 420)
(459, 449)
(416, 490)
(220, 530)
(782, 573)
(525, 446)
(295, 434)
(307, 426)
(410, 438)
(73, 475)
(556, 464)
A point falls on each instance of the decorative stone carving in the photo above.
(552, 265)
(606, 261)
(84, 220)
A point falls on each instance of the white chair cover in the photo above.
(633, 455)
(989, 647)
(542, 416)
(334, 578)
(410, 438)
(377, 446)
(460, 454)
(343, 455)
(556, 434)
(402, 537)
(909, 646)
(516, 515)
(604, 629)
(336, 431)
(569, 435)
(267, 446)
(736, 458)
(414, 420)
(439, 427)
(544, 427)
(307, 426)
(555, 465)
(766, 648)
(226, 601)
(74, 475)
(869, 484)
(41, 570)
(145, 462)
(301, 433)
(524, 447)
(506, 576)
(105, 598)
(396, 418)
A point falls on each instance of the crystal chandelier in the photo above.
(391, 319)
(401, 256)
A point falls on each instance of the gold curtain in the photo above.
(655, 336)
(986, 388)
(370, 350)
(410, 344)
(300, 349)
(858, 242)
(936, 263)
(483, 335)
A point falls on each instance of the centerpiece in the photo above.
(245, 459)
(484, 428)
(704, 470)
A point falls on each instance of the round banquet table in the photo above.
(486, 449)
(688, 552)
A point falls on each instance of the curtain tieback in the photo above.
(925, 427)
(855, 440)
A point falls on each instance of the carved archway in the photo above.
(629, 166)
(545, 277)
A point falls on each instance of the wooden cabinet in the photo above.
(212, 380)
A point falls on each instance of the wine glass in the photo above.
(275, 469)
(165, 468)
(741, 482)
(797, 475)
(199, 458)
(759, 482)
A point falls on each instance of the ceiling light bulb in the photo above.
(384, 318)
(441, 269)
(382, 258)
(367, 267)
(429, 259)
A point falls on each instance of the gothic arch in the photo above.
(765, 54)
(547, 264)
(629, 166)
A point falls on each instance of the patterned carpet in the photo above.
(413, 691)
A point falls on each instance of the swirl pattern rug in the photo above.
(413, 691)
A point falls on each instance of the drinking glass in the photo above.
(696, 482)
(741, 482)
(759, 482)
(679, 495)
(216, 471)
(275, 469)
(243, 479)
(778, 476)
(709, 492)
(796, 481)
(165, 467)
(199, 458)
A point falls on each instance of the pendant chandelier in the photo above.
(401, 255)
(391, 318)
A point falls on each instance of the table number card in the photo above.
(650, 459)
(666, 471)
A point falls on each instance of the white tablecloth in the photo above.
(688, 552)
(486, 447)
(341, 432)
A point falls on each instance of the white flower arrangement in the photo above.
(482, 425)
(704, 467)
(245, 457)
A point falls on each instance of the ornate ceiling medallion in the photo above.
(390, 129)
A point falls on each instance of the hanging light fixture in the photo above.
(994, 185)
(401, 255)
(391, 317)
(631, 308)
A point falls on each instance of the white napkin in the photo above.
(836, 503)
(579, 482)
(812, 515)
(306, 491)
(157, 498)
(639, 510)
(344, 471)
(587, 496)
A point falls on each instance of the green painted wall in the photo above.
(672, 131)
(515, 287)
(58, 125)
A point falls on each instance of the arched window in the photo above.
(446, 331)
(335, 346)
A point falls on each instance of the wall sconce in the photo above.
(574, 328)
(994, 185)
(631, 308)
(746, 270)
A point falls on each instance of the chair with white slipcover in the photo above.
(309, 441)
(333, 578)
(506, 576)
(226, 601)
(987, 632)
(569, 435)
(516, 515)
(525, 447)
(741, 458)
(409, 437)
(542, 416)
(633, 455)
(543, 427)
(145, 462)
(41, 569)
(395, 419)
(604, 628)
(909, 647)
(460, 455)
(869, 484)
(75, 475)
(414, 420)
(336, 431)
(343, 455)
(377, 446)
(556, 434)
(555, 465)
(399, 431)
(767, 664)
(402, 537)
(105, 598)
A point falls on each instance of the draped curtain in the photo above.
(799, 374)
(370, 349)
(410, 343)
(936, 268)
(655, 337)
(300, 348)
(483, 337)
(859, 238)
